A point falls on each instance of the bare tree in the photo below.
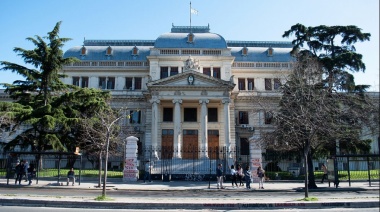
(100, 138)
(311, 116)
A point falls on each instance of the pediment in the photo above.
(191, 80)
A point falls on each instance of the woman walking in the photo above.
(233, 176)
(247, 175)
(240, 175)
(260, 174)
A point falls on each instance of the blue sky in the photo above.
(245, 20)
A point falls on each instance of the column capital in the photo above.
(155, 100)
(175, 101)
(204, 101)
(226, 101)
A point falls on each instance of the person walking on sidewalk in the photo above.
(261, 174)
(71, 176)
(219, 176)
(233, 176)
(247, 175)
(240, 175)
(148, 168)
(31, 173)
(25, 171)
(324, 169)
(19, 169)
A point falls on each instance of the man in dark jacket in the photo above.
(19, 169)
(219, 176)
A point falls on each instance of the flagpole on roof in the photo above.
(190, 17)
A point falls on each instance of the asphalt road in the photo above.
(48, 209)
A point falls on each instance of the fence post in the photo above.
(59, 168)
(150, 161)
(369, 171)
(38, 167)
(209, 156)
(80, 169)
(348, 170)
(336, 179)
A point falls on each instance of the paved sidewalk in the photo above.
(206, 199)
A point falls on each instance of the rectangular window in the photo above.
(190, 132)
(139, 147)
(111, 83)
(268, 84)
(207, 71)
(212, 114)
(167, 132)
(76, 81)
(190, 115)
(84, 83)
(251, 84)
(138, 83)
(276, 83)
(216, 73)
(268, 118)
(128, 83)
(168, 115)
(243, 117)
(241, 84)
(244, 146)
(173, 71)
(164, 72)
(102, 82)
(134, 117)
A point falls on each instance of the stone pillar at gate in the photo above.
(204, 130)
(177, 128)
(226, 110)
(155, 101)
(255, 156)
(130, 172)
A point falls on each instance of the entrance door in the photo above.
(213, 144)
(167, 143)
(190, 144)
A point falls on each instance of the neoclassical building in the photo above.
(189, 88)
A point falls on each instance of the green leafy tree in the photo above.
(333, 46)
(8, 113)
(46, 60)
(57, 108)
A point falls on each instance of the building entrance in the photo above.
(190, 144)
(213, 144)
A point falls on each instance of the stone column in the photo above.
(203, 130)
(155, 116)
(177, 128)
(226, 109)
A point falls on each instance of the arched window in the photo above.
(244, 51)
(270, 51)
(135, 51)
(83, 51)
(109, 51)
(190, 38)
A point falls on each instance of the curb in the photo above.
(193, 206)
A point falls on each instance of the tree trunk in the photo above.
(306, 175)
(100, 170)
(106, 164)
(312, 183)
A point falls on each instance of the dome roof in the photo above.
(180, 40)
